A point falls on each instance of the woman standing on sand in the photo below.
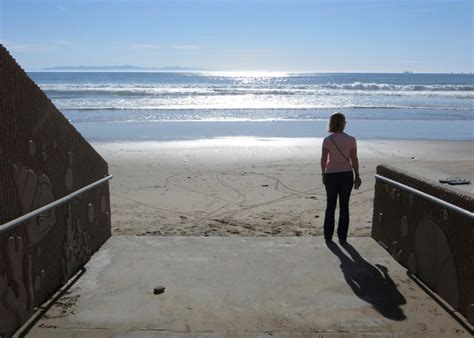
(338, 160)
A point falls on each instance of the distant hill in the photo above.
(124, 68)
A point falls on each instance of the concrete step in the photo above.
(244, 287)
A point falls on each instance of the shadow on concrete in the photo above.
(43, 309)
(370, 283)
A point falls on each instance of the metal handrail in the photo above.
(433, 199)
(13, 223)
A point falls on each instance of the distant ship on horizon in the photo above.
(407, 72)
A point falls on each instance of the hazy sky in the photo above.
(322, 36)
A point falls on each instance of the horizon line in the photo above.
(179, 69)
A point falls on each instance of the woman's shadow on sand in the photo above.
(370, 283)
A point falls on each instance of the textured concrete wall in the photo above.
(43, 158)
(435, 244)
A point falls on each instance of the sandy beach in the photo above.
(253, 186)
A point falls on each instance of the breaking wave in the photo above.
(143, 89)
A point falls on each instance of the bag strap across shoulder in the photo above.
(330, 137)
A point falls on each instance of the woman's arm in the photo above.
(355, 166)
(355, 161)
(324, 160)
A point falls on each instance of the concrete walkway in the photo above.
(244, 287)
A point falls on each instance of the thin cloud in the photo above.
(145, 46)
(152, 47)
(36, 47)
(186, 47)
(22, 47)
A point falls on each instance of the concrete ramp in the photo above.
(244, 287)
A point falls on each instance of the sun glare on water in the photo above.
(248, 74)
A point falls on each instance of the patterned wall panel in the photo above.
(433, 243)
(43, 158)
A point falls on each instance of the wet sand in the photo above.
(253, 186)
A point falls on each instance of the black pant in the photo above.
(338, 184)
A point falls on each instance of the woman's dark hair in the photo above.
(337, 122)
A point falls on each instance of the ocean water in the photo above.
(166, 105)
